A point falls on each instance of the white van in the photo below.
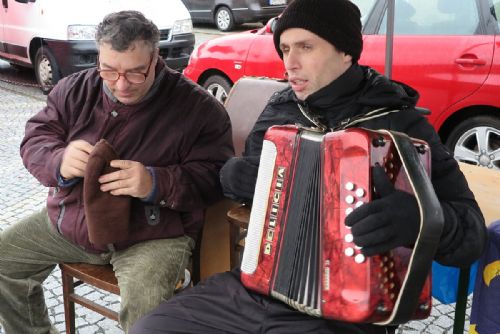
(56, 37)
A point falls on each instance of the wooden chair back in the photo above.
(245, 103)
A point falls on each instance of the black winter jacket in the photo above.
(359, 90)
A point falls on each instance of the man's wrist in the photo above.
(62, 182)
(152, 194)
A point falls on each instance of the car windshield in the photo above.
(365, 6)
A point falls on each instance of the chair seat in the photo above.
(239, 215)
(100, 276)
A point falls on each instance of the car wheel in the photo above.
(224, 19)
(218, 86)
(46, 69)
(477, 141)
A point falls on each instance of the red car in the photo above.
(449, 50)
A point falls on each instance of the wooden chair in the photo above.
(245, 103)
(103, 277)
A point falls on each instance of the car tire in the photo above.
(218, 86)
(46, 69)
(224, 19)
(476, 141)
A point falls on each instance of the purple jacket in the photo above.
(178, 130)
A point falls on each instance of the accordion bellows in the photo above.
(107, 216)
(298, 249)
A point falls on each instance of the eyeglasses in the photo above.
(132, 77)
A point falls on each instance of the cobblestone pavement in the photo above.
(21, 194)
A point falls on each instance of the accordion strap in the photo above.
(348, 122)
(431, 225)
(376, 113)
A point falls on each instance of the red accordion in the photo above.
(298, 249)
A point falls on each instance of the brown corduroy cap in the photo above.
(337, 21)
(107, 215)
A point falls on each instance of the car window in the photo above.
(495, 10)
(365, 6)
(434, 17)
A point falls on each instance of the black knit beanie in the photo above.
(337, 21)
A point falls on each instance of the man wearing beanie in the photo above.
(320, 43)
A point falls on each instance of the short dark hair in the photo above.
(121, 29)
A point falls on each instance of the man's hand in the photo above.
(132, 179)
(238, 177)
(385, 223)
(75, 158)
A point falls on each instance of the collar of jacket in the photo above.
(339, 90)
(336, 101)
(358, 90)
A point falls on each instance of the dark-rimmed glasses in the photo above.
(132, 77)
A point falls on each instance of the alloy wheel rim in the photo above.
(218, 92)
(479, 146)
(223, 19)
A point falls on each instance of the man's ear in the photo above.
(347, 58)
(156, 56)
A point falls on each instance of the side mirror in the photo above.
(271, 25)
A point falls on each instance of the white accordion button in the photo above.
(348, 238)
(348, 211)
(360, 192)
(349, 186)
(359, 203)
(349, 199)
(360, 258)
(349, 251)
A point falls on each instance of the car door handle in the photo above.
(469, 61)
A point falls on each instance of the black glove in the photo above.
(238, 177)
(385, 223)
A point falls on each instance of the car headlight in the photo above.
(81, 32)
(182, 27)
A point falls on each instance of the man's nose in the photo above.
(290, 60)
(122, 83)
